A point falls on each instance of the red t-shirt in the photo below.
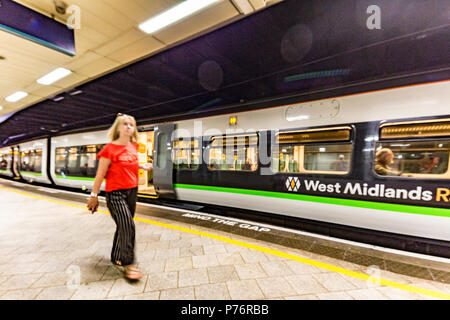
(124, 168)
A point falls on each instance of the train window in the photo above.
(60, 160)
(428, 159)
(186, 154)
(4, 161)
(234, 153)
(400, 153)
(38, 161)
(162, 150)
(88, 160)
(72, 160)
(31, 161)
(313, 151)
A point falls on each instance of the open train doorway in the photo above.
(16, 163)
(145, 155)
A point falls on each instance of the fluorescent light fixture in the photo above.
(244, 6)
(297, 117)
(184, 9)
(16, 96)
(74, 93)
(54, 76)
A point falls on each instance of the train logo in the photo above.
(292, 183)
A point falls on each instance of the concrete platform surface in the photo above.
(55, 249)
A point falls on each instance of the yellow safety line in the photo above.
(358, 275)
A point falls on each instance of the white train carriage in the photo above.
(33, 161)
(73, 158)
(298, 181)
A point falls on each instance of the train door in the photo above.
(145, 155)
(162, 165)
(16, 163)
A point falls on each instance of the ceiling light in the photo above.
(74, 93)
(1, 108)
(244, 6)
(16, 96)
(54, 76)
(174, 14)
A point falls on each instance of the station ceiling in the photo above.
(108, 38)
(218, 62)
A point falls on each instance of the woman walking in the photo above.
(118, 163)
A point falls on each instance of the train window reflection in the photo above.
(88, 161)
(315, 151)
(320, 158)
(5, 160)
(60, 160)
(186, 154)
(31, 161)
(428, 159)
(234, 153)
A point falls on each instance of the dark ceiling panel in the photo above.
(292, 51)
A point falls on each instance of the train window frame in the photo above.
(78, 171)
(210, 147)
(413, 139)
(190, 149)
(301, 169)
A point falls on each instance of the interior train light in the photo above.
(314, 135)
(16, 96)
(54, 76)
(178, 12)
(244, 6)
(414, 129)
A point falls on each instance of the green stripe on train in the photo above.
(28, 173)
(442, 212)
(74, 178)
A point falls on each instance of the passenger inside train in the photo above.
(431, 164)
(383, 158)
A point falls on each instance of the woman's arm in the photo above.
(103, 166)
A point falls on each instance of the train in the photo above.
(309, 165)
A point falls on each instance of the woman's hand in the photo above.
(92, 204)
(147, 166)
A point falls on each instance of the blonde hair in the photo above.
(382, 155)
(114, 133)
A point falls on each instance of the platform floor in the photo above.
(51, 247)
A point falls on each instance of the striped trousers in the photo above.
(122, 206)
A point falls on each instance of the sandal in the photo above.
(132, 272)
